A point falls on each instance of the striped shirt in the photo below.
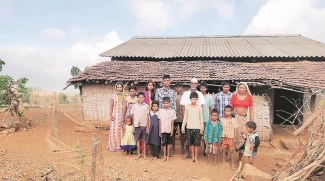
(220, 102)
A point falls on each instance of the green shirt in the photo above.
(206, 107)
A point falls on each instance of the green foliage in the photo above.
(63, 98)
(75, 71)
(323, 102)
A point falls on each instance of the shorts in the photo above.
(228, 143)
(193, 137)
(212, 148)
(166, 139)
(241, 149)
(176, 125)
(140, 133)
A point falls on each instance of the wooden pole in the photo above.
(94, 155)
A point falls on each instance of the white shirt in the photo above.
(186, 98)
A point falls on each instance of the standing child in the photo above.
(140, 116)
(131, 99)
(229, 131)
(166, 117)
(252, 141)
(128, 142)
(179, 114)
(212, 135)
(149, 94)
(207, 107)
(153, 138)
(193, 120)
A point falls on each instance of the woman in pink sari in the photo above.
(242, 103)
(117, 112)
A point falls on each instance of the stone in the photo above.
(251, 173)
(7, 123)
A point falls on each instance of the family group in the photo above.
(151, 119)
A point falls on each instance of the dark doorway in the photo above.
(286, 107)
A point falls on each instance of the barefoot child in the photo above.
(166, 117)
(193, 120)
(128, 142)
(212, 136)
(229, 131)
(153, 139)
(140, 116)
(252, 141)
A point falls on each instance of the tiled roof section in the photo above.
(254, 46)
(302, 74)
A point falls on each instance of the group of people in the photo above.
(151, 119)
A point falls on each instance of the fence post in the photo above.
(94, 155)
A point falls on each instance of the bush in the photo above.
(63, 98)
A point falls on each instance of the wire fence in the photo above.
(76, 158)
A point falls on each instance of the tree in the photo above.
(12, 92)
(75, 71)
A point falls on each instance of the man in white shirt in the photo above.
(186, 101)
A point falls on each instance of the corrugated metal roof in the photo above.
(301, 74)
(241, 46)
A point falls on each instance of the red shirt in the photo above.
(246, 103)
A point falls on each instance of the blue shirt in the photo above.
(206, 107)
(213, 133)
(220, 102)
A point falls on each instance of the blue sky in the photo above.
(42, 39)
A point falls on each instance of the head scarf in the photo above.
(247, 88)
(117, 92)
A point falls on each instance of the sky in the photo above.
(42, 39)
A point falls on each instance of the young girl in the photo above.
(131, 99)
(153, 139)
(149, 93)
(128, 142)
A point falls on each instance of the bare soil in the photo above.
(28, 155)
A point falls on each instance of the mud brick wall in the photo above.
(96, 100)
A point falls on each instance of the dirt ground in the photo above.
(28, 155)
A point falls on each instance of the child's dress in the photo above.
(153, 135)
(128, 142)
(129, 103)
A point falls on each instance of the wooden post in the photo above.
(94, 155)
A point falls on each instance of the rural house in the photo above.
(283, 71)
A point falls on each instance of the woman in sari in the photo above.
(117, 112)
(242, 103)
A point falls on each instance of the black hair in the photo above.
(179, 84)
(141, 93)
(166, 99)
(203, 83)
(252, 125)
(194, 95)
(225, 83)
(166, 77)
(228, 107)
(153, 90)
(214, 111)
(155, 102)
(130, 118)
(133, 87)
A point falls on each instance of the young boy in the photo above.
(212, 135)
(229, 131)
(166, 117)
(252, 141)
(207, 107)
(179, 114)
(193, 120)
(140, 118)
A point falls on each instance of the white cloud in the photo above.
(49, 67)
(290, 17)
(158, 15)
(152, 14)
(52, 33)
